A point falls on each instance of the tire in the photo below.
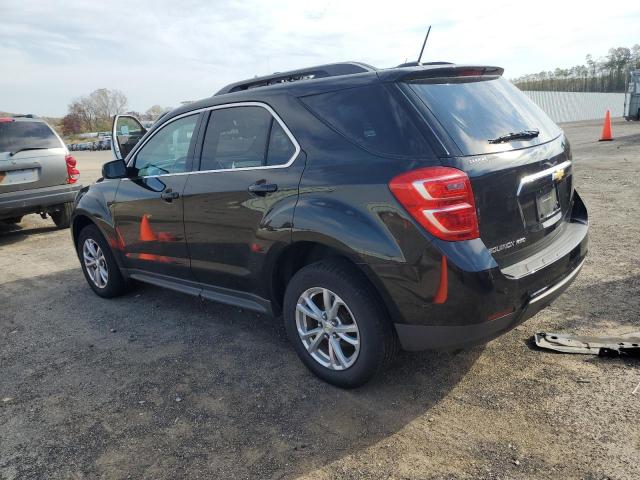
(98, 249)
(12, 220)
(62, 215)
(358, 305)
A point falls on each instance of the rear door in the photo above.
(149, 204)
(240, 204)
(31, 155)
(522, 183)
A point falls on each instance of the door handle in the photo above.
(169, 195)
(263, 188)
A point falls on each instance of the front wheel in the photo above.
(98, 264)
(336, 323)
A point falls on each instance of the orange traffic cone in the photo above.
(606, 128)
(146, 233)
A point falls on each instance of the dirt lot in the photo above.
(160, 385)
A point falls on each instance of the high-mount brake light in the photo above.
(440, 199)
(72, 171)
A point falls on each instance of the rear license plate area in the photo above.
(16, 177)
(547, 203)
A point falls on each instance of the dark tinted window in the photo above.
(167, 151)
(280, 147)
(372, 118)
(19, 134)
(244, 137)
(474, 111)
(236, 138)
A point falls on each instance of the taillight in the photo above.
(72, 171)
(441, 200)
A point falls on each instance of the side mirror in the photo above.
(114, 169)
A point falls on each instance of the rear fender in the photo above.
(360, 235)
(363, 236)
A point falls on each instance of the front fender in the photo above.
(93, 204)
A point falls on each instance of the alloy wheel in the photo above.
(95, 263)
(327, 328)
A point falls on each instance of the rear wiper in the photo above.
(516, 136)
(11, 154)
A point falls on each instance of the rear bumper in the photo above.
(484, 303)
(421, 337)
(29, 201)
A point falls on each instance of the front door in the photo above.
(149, 204)
(240, 204)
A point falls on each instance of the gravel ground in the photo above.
(156, 384)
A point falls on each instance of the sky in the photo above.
(165, 52)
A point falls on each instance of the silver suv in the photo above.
(37, 174)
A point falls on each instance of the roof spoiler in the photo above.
(321, 71)
(449, 70)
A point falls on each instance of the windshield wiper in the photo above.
(11, 154)
(525, 134)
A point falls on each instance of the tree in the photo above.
(608, 74)
(154, 112)
(108, 103)
(95, 110)
(71, 124)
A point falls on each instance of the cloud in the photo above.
(168, 51)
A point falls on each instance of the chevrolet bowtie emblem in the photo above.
(558, 175)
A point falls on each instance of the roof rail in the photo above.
(321, 71)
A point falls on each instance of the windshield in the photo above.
(18, 135)
(474, 110)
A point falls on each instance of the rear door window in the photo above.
(280, 149)
(473, 110)
(244, 137)
(19, 134)
(372, 118)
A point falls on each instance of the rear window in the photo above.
(370, 117)
(17, 135)
(473, 110)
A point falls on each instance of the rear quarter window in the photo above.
(17, 135)
(372, 118)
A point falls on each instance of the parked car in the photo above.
(425, 206)
(37, 174)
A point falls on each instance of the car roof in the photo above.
(326, 78)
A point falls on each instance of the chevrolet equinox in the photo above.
(418, 207)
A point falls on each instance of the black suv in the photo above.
(425, 206)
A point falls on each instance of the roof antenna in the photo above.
(423, 44)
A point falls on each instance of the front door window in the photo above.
(167, 151)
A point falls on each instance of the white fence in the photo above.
(576, 106)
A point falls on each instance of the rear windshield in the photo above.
(370, 117)
(18, 135)
(473, 111)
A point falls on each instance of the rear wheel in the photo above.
(98, 264)
(61, 216)
(336, 323)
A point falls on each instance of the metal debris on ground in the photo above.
(628, 344)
